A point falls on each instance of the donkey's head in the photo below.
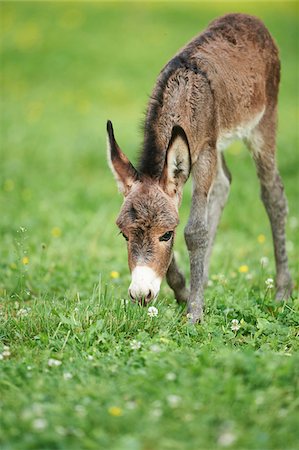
(149, 214)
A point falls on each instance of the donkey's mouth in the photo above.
(142, 300)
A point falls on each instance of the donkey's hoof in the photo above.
(195, 317)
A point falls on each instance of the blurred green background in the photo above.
(65, 69)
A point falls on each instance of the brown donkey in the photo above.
(222, 86)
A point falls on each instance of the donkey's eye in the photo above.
(126, 237)
(166, 236)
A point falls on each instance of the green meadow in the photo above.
(80, 366)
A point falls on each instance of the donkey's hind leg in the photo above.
(262, 143)
(217, 199)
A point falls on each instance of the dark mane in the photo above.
(152, 157)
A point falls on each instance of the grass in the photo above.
(81, 367)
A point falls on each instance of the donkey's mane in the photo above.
(152, 156)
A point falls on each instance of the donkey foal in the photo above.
(222, 86)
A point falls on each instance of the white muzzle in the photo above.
(145, 284)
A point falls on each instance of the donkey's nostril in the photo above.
(149, 295)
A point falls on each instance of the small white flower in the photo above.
(54, 362)
(67, 376)
(235, 325)
(269, 283)
(264, 261)
(131, 404)
(156, 413)
(174, 400)
(155, 348)
(152, 311)
(39, 424)
(135, 345)
(170, 376)
(23, 311)
(226, 439)
(1, 357)
(6, 353)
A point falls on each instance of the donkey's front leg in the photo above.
(196, 231)
(177, 282)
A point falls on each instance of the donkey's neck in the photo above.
(179, 98)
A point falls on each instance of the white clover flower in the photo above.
(90, 357)
(67, 376)
(23, 311)
(135, 345)
(152, 311)
(170, 376)
(235, 325)
(226, 439)
(174, 400)
(6, 354)
(264, 261)
(39, 424)
(269, 283)
(156, 413)
(54, 362)
(131, 404)
(155, 348)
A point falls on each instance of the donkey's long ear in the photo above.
(177, 164)
(125, 174)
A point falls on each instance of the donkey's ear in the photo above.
(125, 174)
(177, 164)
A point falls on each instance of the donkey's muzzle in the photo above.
(145, 285)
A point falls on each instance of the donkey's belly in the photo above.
(241, 131)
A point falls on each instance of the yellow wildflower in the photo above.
(261, 238)
(25, 260)
(56, 232)
(244, 268)
(115, 411)
(114, 274)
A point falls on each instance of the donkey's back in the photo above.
(217, 87)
